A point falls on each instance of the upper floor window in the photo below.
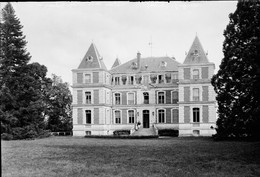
(196, 115)
(195, 94)
(131, 80)
(117, 117)
(88, 116)
(138, 79)
(146, 79)
(130, 98)
(161, 116)
(146, 98)
(131, 116)
(117, 98)
(153, 78)
(117, 80)
(160, 97)
(195, 74)
(88, 97)
(124, 78)
(161, 79)
(87, 78)
(174, 97)
(168, 77)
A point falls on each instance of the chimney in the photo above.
(138, 60)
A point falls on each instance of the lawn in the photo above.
(81, 157)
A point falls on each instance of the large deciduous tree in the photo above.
(237, 81)
(21, 84)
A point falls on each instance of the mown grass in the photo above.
(81, 157)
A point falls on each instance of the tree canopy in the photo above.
(237, 81)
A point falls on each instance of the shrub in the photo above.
(168, 132)
(6, 136)
(121, 132)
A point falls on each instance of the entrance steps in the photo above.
(145, 132)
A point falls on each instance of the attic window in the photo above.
(89, 58)
(134, 65)
(163, 64)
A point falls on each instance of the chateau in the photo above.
(157, 92)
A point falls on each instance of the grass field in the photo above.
(81, 157)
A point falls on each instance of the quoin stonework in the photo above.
(157, 92)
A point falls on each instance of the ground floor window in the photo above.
(196, 115)
(88, 116)
(161, 116)
(117, 117)
(131, 116)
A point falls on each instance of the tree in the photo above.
(22, 84)
(59, 98)
(237, 81)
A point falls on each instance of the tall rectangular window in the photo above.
(196, 115)
(168, 78)
(130, 98)
(195, 94)
(117, 98)
(161, 116)
(117, 117)
(117, 80)
(131, 116)
(161, 79)
(146, 98)
(160, 97)
(124, 78)
(88, 116)
(88, 97)
(87, 78)
(131, 80)
(174, 97)
(195, 74)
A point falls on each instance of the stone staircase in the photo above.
(145, 132)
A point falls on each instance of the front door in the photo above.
(146, 121)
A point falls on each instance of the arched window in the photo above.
(196, 114)
(117, 98)
(131, 116)
(161, 97)
(161, 116)
(117, 117)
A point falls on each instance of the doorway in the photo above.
(146, 121)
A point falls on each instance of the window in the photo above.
(175, 115)
(153, 78)
(146, 79)
(117, 117)
(195, 94)
(88, 97)
(124, 78)
(131, 80)
(131, 116)
(168, 78)
(130, 98)
(117, 80)
(174, 97)
(161, 79)
(195, 74)
(146, 98)
(196, 115)
(117, 98)
(88, 116)
(87, 78)
(160, 97)
(161, 116)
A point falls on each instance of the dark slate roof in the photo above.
(196, 53)
(149, 64)
(116, 63)
(95, 62)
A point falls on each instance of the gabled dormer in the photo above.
(92, 59)
(196, 54)
(116, 63)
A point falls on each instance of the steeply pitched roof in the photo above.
(116, 63)
(196, 53)
(150, 64)
(92, 59)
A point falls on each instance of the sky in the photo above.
(60, 33)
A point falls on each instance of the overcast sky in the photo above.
(59, 33)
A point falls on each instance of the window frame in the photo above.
(120, 118)
(195, 76)
(120, 100)
(164, 98)
(195, 98)
(196, 115)
(132, 118)
(90, 78)
(164, 115)
(172, 94)
(87, 102)
(90, 116)
(145, 99)
(117, 80)
(128, 98)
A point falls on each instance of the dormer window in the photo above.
(163, 64)
(89, 58)
(134, 65)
